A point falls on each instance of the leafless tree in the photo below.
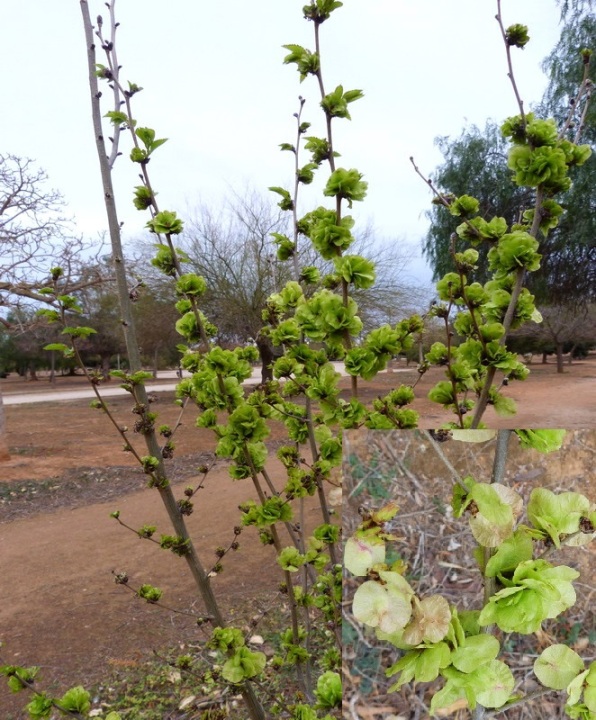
(232, 248)
(562, 327)
(35, 239)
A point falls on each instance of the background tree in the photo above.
(233, 250)
(35, 235)
(35, 240)
(476, 163)
(5, 341)
(155, 317)
(564, 329)
(28, 335)
(571, 9)
(574, 240)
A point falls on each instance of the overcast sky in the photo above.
(215, 85)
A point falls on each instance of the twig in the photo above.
(439, 450)
(527, 698)
(161, 605)
(510, 74)
(30, 686)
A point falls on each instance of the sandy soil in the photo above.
(59, 606)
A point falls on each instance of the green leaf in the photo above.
(346, 184)
(320, 11)
(40, 707)
(138, 155)
(191, 284)
(150, 463)
(305, 174)
(133, 89)
(320, 149)
(290, 559)
(149, 593)
(557, 514)
(495, 502)
(78, 332)
(557, 666)
(422, 665)
(145, 135)
(513, 251)
(335, 104)
(117, 118)
(362, 552)
(442, 393)
(329, 690)
(143, 197)
(76, 699)
(544, 441)
(306, 61)
(517, 35)
(446, 697)
(503, 406)
(244, 664)
(464, 206)
(15, 674)
(286, 202)
(497, 683)
(103, 72)
(509, 554)
(473, 436)
(356, 270)
(576, 688)
(537, 591)
(476, 650)
(165, 223)
(226, 639)
(59, 347)
(387, 607)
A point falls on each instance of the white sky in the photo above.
(215, 85)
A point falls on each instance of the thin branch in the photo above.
(455, 476)
(527, 698)
(510, 74)
(30, 686)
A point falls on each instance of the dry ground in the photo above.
(59, 605)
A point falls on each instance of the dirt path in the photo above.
(60, 607)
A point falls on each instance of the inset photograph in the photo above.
(469, 574)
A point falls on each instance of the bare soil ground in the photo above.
(59, 607)
(545, 399)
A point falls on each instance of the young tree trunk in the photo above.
(155, 356)
(560, 358)
(199, 573)
(265, 348)
(4, 452)
(53, 367)
(105, 366)
(570, 358)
